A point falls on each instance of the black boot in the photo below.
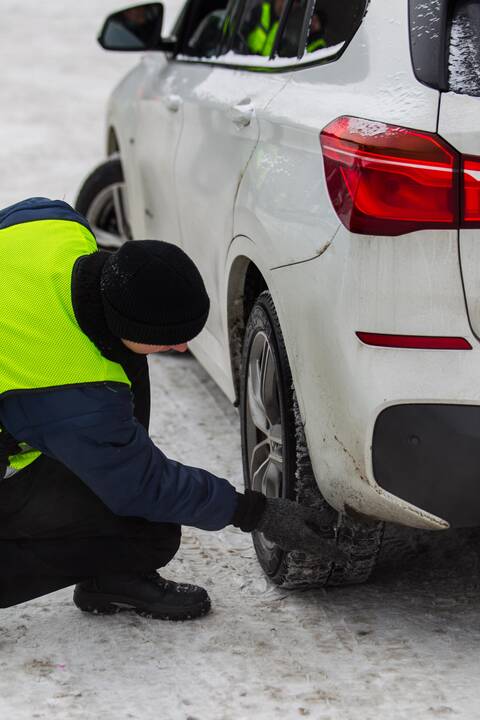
(149, 595)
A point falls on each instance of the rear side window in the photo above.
(304, 29)
(464, 48)
(291, 37)
(317, 32)
(336, 22)
(322, 28)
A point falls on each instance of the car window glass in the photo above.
(289, 42)
(258, 27)
(204, 28)
(233, 14)
(307, 29)
(316, 39)
(333, 23)
(180, 20)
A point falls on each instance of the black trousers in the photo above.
(55, 532)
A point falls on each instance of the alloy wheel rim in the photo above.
(264, 428)
(107, 216)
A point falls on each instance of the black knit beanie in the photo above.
(153, 293)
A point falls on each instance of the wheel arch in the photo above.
(245, 283)
(113, 144)
(361, 544)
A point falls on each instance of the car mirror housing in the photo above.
(136, 28)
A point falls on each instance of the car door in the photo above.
(159, 126)
(222, 104)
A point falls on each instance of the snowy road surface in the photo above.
(406, 645)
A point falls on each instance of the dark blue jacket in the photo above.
(92, 430)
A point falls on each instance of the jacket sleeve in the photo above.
(92, 430)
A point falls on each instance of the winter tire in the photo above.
(276, 461)
(102, 200)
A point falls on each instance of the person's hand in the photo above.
(295, 527)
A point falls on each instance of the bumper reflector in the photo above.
(418, 342)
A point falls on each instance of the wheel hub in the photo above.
(264, 423)
(108, 218)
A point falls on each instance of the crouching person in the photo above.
(86, 498)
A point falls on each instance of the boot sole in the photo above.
(98, 604)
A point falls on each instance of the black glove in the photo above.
(289, 525)
(295, 527)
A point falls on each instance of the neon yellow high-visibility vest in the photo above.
(262, 38)
(41, 343)
(316, 45)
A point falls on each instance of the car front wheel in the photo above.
(102, 201)
(276, 461)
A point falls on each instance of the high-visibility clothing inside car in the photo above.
(262, 38)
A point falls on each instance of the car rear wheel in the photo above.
(102, 201)
(276, 461)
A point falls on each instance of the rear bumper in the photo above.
(346, 388)
(429, 456)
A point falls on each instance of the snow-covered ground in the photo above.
(404, 646)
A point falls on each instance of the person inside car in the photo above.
(316, 39)
(261, 27)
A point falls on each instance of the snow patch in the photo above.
(366, 128)
(426, 20)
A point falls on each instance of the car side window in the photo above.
(333, 23)
(289, 45)
(316, 39)
(309, 30)
(258, 27)
(203, 28)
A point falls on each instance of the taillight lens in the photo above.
(471, 192)
(389, 180)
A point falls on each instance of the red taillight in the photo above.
(471, 192)
(388, 180)
(419, 342)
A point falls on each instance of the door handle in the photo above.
(243, 113)
(173, 103)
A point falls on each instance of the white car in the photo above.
(320, 162)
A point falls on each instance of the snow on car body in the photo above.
(221, 154)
